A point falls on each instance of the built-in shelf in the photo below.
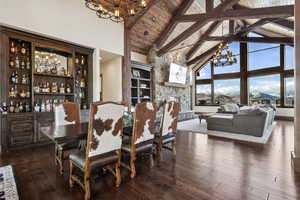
(52, 75)
(141, 80)
(54, 94)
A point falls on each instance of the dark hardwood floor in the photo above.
(205, 168)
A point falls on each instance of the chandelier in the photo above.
(223, 56)
(117, 10)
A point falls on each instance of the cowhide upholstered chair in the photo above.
(65, 113)
(104, 143)
(168, 128)
(142, 135)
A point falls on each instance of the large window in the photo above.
(204, 73)
(289, 57)
(264, 89)
(262, 56)
(227, 91)
(235, 48)
(203, 94)
(289, 87)
(272, 85)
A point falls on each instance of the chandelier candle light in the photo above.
(221, 59)
(117, 10)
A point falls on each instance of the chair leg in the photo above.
(118, 174)
(56, 155)
(60, 162)
(71, 182)
(87, 187)
(132, 165)
(151, 159)
(174, 148)
(159, 151)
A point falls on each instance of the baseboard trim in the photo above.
(295, 161)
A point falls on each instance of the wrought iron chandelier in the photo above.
(223, 56)
(117, 10)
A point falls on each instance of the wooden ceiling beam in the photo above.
(209, 5)
(285, 24)
(195, 27)
(172, 24)
(202, 56)
(259, 23)
(277, 40)
(138, 17)
(201, 40)
(243, 13)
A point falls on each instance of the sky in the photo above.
(257, 59)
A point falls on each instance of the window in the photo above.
(203, 94)
(289, 91)
(264, 89)
(262, 56)
(235, 48)
(204, 73)
(289, 57)
(227, 91)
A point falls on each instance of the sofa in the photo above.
(246, 120)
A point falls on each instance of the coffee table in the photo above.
(204, 115)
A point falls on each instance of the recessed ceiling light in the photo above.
(153, 18)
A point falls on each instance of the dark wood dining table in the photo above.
(65, 132)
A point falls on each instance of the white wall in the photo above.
(112, 79)
(67, 20)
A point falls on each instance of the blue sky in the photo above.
(257, 60)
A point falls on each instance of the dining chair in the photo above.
(142, 136)
(103, 148)
(65, 113)
(168, 128)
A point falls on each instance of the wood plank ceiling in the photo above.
(153, 24)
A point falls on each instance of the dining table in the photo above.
(70, 131)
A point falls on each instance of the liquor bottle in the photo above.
(68, 89)
(11, 63)
(28, 94)
(11, 107)
(23, 94)
(43, 106)
(47, 87)
(17, 108)
(82, 60)
(84, 72)
(22, 64)
(54, 87)
(62, 88)
(21, 107)
(17, 61)
(4, 108)
(27, 64)
(23, 49)
(54, 70)
(24, 79)
(81, 94)
(48, 106)
(27, 107)
(12, 92)
(12, 48)
(37, 107)
(82, 83)
(77, 60)
(14, 77)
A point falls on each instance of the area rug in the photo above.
(193, 126)
(8, 186)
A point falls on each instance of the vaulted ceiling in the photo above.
(164, 25)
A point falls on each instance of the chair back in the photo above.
(144, 122)
(67, 113)
(170, 118)
(105, 128)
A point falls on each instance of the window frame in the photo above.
(245, 73)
